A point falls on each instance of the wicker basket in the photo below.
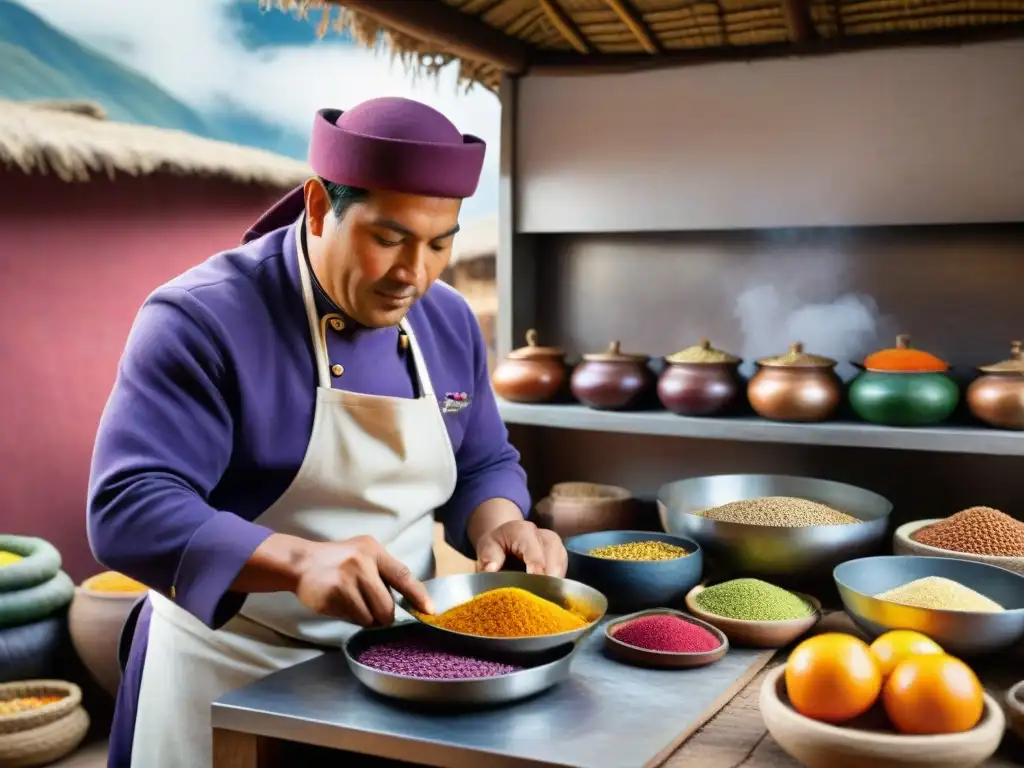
(71, 697)
(44, 735)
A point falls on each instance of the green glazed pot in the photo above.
(904, 399)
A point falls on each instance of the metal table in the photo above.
(608, 715)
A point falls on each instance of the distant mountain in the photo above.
(38, 61)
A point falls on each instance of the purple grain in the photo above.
(418, 660)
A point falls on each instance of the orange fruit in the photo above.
(933, 694)
(900, 644)
(832, 677)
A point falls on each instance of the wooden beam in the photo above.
(566, 26)
(447, 29)
(559, 63)
(797, 14)
(631, 17)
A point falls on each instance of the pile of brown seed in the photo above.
(778, 512)
(976, 531)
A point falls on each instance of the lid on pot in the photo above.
(904, 359)
(532, 351)
(701, 353)
(797, 358)
(1014, 365)
(614, 354)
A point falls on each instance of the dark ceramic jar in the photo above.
(612, 380)
(700, 381)
(904, 387)
(796, 386)
(530, 374)
(997, 396)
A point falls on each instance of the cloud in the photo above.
(191, 48)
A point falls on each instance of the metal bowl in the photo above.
(449, 591)
(761, 550)
(632, 585)
(541, 672)
(963, 633)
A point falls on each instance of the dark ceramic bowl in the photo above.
(962, 633)
(632, 585)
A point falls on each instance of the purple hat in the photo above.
(391, 143)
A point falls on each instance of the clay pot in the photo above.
(700, 381)
(612, 380)
(904, 387)
(531, 374)
(574, 508)
(796, 386)
(997, 397)
(95, 620)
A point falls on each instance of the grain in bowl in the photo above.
(777, 512)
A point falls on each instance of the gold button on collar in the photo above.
(337, 369)
(337, 324)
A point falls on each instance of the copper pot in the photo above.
(530, 374)
(700, 381)
(796, 386)
(612, 380)
(997, 397)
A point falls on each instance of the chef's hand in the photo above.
(541, 550)
(350, 580)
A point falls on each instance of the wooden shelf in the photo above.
(944, 439)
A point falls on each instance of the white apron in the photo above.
(374, 466)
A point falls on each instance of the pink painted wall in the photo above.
(76, 262)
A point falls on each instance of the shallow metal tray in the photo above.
(542, 671)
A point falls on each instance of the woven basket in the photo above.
(71, 697)
(45, 744)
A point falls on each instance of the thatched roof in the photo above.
(491, 37)
(75, 142)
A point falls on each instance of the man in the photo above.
(287, 417)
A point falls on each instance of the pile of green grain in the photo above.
(753, 600)
(777, 512)
(941, 594)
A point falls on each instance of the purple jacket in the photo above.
(212, 408)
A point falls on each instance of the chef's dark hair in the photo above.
(342, 196)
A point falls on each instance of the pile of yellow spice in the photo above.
(507, 612)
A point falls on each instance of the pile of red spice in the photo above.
(976, 531)
(666, 633)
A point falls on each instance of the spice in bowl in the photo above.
(940, 594)
(114, 583)
(643, 551)
(9, 558)
(426, 661)
(976, 531)
(753, 600)
(20, 704)
(507, 612)
(777, 512)
(667, 634)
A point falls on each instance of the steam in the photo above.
(842, 328)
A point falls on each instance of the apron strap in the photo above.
(319, 338)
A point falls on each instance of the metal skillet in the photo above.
(449, 591)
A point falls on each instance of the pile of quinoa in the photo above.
(753, 600)
(778, 512)
(976, 531)
(941, 594)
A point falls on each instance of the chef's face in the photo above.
(383, 253)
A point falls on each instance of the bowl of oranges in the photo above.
(900, 702)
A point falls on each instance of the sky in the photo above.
(196, 50)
